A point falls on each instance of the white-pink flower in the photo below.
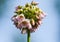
(20, 17)
(25, 24)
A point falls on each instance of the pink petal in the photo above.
(24, 31)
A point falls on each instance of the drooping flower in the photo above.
(20, 17)
(25, 24)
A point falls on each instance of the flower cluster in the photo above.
(28, 17)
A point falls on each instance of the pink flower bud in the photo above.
(32, 22)
(39, 22)
(42, 15)
(14, 19)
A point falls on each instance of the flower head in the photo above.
(28, 17)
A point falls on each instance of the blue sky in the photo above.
(48, 31)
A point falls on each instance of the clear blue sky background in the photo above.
(48, 31)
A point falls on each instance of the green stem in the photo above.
(28, 36)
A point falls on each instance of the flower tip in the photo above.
(34, 3)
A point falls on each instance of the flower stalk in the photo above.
(28, 36)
